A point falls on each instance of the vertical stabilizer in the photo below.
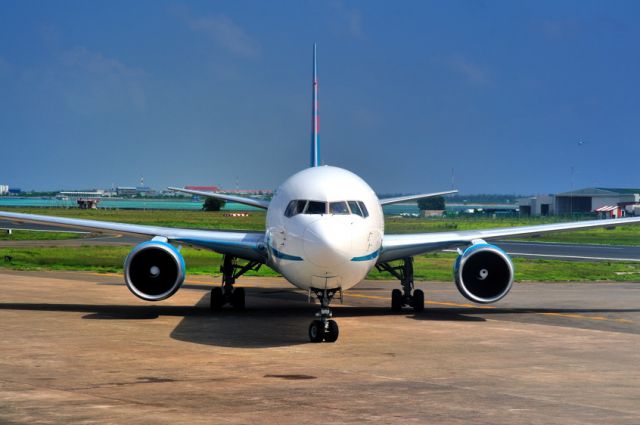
(315, 120)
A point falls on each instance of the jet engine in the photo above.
(154, 270)
(483, 273)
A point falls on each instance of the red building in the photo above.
(204, 188)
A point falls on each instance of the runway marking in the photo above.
(568, 245)
(449, 304)
(452, 304)
(582, 316)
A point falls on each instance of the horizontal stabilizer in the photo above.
(388, 201)
(258, 203)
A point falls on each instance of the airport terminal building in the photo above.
(605, 202)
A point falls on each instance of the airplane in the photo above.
(324, 234)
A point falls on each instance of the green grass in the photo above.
(435, 267)
(26, 235)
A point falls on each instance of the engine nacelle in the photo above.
(483, 273)
(154, 270)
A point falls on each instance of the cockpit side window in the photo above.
(363, 207)
(295, 207)
(355, 208)
(315, 207)
(338, 208)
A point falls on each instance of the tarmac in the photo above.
(80, 348)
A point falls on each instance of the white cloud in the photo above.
(471, 71)
(349, 20)
(227, 34)
(90, 82)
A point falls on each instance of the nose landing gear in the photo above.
(408, 296)
(324, 329)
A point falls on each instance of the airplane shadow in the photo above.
(274, 317)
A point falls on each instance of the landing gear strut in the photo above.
(408, 296)
(227, 294)
(324, 329)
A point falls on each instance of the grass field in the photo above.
(436, 266)
(26, 235)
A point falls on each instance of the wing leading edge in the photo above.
(399, 246)
(258, 203)
(248, 245)
(388, 201)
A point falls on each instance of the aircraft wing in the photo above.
(259, 203)
(399, 246)
(248, 245)
(388, 201)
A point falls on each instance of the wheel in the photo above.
(217, 299)
(331, 335)
(418, 300)
(237, 298)
(316, 331)
(396, 300)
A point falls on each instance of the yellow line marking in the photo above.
(373, 297)
(451, 304)
(376, 297)
(582, 316)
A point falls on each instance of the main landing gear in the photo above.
(408, 296)
(227, 294)
(324, 329)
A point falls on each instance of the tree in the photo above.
(213, 204)
(433, 203)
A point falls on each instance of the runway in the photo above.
(78, 347)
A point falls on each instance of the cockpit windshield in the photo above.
(338, 208)
(316, 207)
(299, 206)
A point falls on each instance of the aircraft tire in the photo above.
(418, 300)
(217, 299)
(332, 332)
(396, 300)
(316, 331)
(237, 299)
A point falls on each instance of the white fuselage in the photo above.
(318, 232)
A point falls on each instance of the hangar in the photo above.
(617, 202)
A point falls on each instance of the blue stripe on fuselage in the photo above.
(284, 256)
(367, 257)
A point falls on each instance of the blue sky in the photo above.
(509, 95)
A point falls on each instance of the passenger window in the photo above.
(363, 207)
(315, 207)
(338, 208)
(294, 208)
(355, 208)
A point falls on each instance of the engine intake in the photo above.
(483, 273)
(154, 270)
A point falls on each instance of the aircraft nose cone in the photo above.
(327, 244)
